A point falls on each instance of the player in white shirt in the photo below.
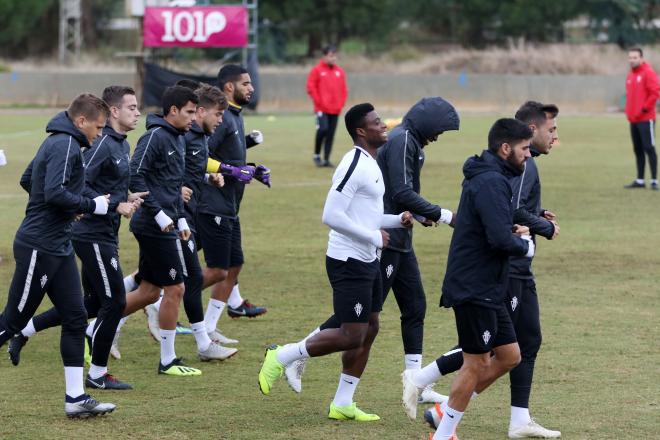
(354, 212)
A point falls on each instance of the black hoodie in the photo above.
(401, 160)
(54, 180)
(197, 154)
(478, 261)
(158, 166)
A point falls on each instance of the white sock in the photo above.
(29, 329)
(292, 352)
(345, 390)
(426, 375)
(130, 284)
(448, 424)
(314, 332)
(213, 312)
(519, 416)
(235, 299)
(160, 300)
(474, 395)
(73, 380)
(90, 328)
(654, 181)
(167, 353)
(122, 321)
(201, 336)
(95, 371)
(639, 181)
(412, 361)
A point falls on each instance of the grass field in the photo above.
(597, 376)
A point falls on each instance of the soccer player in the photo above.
(95, 239)
(641, 95)
(45, 261)
(158, 166)
(326, 85)
(218, 223)
(354, 212)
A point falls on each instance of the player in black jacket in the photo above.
(45, 261)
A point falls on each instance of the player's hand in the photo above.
(78, 217)
(256, 136)
(386, 238)
(242, 174)
(520, 230)
(216, 179)
(164, 221)
(262, 174)
(556, 233)
(549, 215)
(132, 197)
(184, 229)
(186, 194)
(184, 235)
(406, 219)
(127, 209)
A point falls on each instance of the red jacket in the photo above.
(326, 85)
(641, 94)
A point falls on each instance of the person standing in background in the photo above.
(326, 85)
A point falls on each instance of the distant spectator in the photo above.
(326, 85)
(641, 95)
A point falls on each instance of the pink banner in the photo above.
(199, 26)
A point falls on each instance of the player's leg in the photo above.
(640, 159)
(329, 139)
(647, 135)
(321, 131)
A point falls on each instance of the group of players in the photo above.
(182, 190)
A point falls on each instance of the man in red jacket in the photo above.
(641, 95)
(326, 85)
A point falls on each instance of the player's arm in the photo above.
(144, 161)
(344, 89)
(26, 178)
(95, 161)
(334, 215)
(652, 89)
(313, 86)
(525, 217)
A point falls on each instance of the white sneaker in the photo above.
(429, 395)
(294, 374)
(532, 429)
(114, 348)
(219, 338)
(216, 352)
(152, 321)
(88, 407)
(410, 394)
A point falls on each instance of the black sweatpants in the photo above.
(36, 274)
(643, 139)
(194, 281)
(326, 124)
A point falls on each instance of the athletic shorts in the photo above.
(480, 329)
(357, 288)
(161, 260)
(220, 237)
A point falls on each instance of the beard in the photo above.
(241, 99)
(511, 160)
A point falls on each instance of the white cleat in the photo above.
(152, 321)
(294, 373)
(410, 394)
(89, 407)
(429, 395)
(532, 429)
(114, 348)
(216, 352)
(219, 338)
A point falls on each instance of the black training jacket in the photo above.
(197, 153)
(401, 160)
(54, 180)
(158, 166)
(107, 171)
(478, 261)
(228, 144)
(527, 212)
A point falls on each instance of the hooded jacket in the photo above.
(326, 85)
(401, 160)
(107, 171)
(54, 180)
(641, 94)
(478, 261)
(197, 153)
(158, 166)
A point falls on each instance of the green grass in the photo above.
(597, 375)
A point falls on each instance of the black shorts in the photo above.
(102, 277)
(220, 237)
(480, 329)
(161, 260)
(357, 289)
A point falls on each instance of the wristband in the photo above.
(182, 225)
(446, 216)
(531, 247)
(163, 220)
(101, 207)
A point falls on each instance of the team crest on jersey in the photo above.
(44, 280)
(113, 263)
(191, 246)
(388, 270)
(172, 273)
(218, 219)
(486, 337)
(358, 309)
(514, 303)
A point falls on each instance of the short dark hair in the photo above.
(177, 96)
(354, 118)
(230, 73)
(210, 96)
(113, 95)
(507, 130)
(330, 48)
(533, 112)
(638, 50)
(89, 106)
(188, 83)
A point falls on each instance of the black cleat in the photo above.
(654, 186)
(635, 184)
(246, 309)
(15, 346)
(107, 382)
(328, 164)
(317, 161)
(86, 406)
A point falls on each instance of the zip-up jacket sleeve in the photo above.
(313, 87)
(400, 159)
(144, 160)
(492, 203)
(60, 157)
(249, 142)
(524, 216)
(344, 89)
(26, 178)
(651, 87)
